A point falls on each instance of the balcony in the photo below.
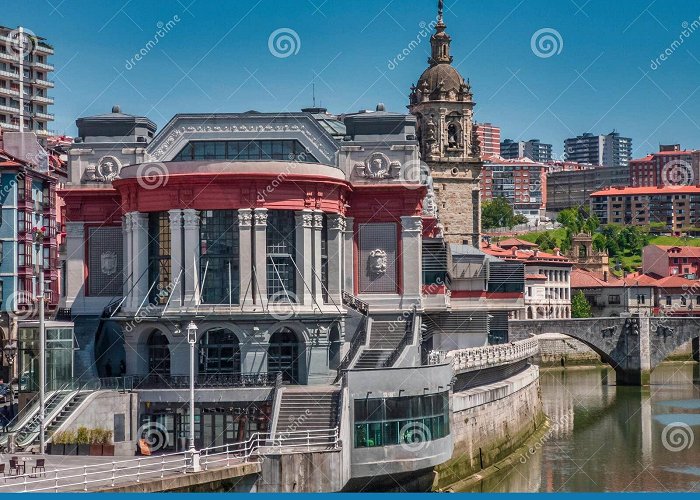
(44, 66)
(9, 74)
(43, 116)
(42, 83)
(9, 109)
(4, 56)
(41, 99)
(10, 92)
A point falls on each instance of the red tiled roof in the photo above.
(515, 242)
(644, 190)
(683, 251)
(580, 278)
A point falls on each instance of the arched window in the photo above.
(219, 352)
(158, 354)
(283, 355)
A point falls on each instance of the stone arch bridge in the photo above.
(633, 345)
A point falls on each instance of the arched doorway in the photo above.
(284, 355)
(158, 354)
(219, 352)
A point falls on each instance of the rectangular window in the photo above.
(159, 265)
(219, 250)
(281, 255)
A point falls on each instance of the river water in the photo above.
(612, 438)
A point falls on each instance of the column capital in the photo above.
(139, 221)
(260, 216)
(318, 220)
(336, 222)
(175, 216)
(304, 218)
(191, 218)
(411, 223)
(245, 217)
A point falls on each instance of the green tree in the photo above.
(498, 213)
(580, 307)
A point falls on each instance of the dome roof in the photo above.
(441, 73)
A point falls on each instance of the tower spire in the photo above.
(440, 41)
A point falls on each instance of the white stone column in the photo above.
(245, 257)
(411, 256)
(317, 269)
(139, 257)
(349, 256)
(260, 256)
(128, 268)
(304, 256)
(176, 258)
(75, 261)
(191, 256)
(336, 257)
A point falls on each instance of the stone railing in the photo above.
(477, 358)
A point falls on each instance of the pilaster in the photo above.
(260, 256)
(317, 269)
(411, 256)
(176, 257)
(304, 256)
(139, 257)
(336, 254)
(348, 270)
(245, 256)
(191, 256)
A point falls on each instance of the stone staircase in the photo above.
(384, 338)
(308, 408)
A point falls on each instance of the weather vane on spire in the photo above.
(440, 6)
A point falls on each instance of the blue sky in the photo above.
(216, 57)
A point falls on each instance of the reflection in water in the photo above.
(609, 438)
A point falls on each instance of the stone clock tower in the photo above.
(442, 102)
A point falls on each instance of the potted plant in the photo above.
(70, 440)
(107, 444)
(83, 439)
(57, 446)
(96, 442)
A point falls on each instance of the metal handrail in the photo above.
(358, 340)
(406, 340)
(137, 469)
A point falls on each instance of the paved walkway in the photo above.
(80, 473)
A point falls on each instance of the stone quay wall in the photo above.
(489, 423)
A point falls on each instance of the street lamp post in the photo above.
(39, 240)
(9, 350)
(194, 454)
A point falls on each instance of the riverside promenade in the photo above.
(222, 467)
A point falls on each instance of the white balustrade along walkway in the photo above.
(67, 473)
(477, 358)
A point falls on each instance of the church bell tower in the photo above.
(443, 104)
